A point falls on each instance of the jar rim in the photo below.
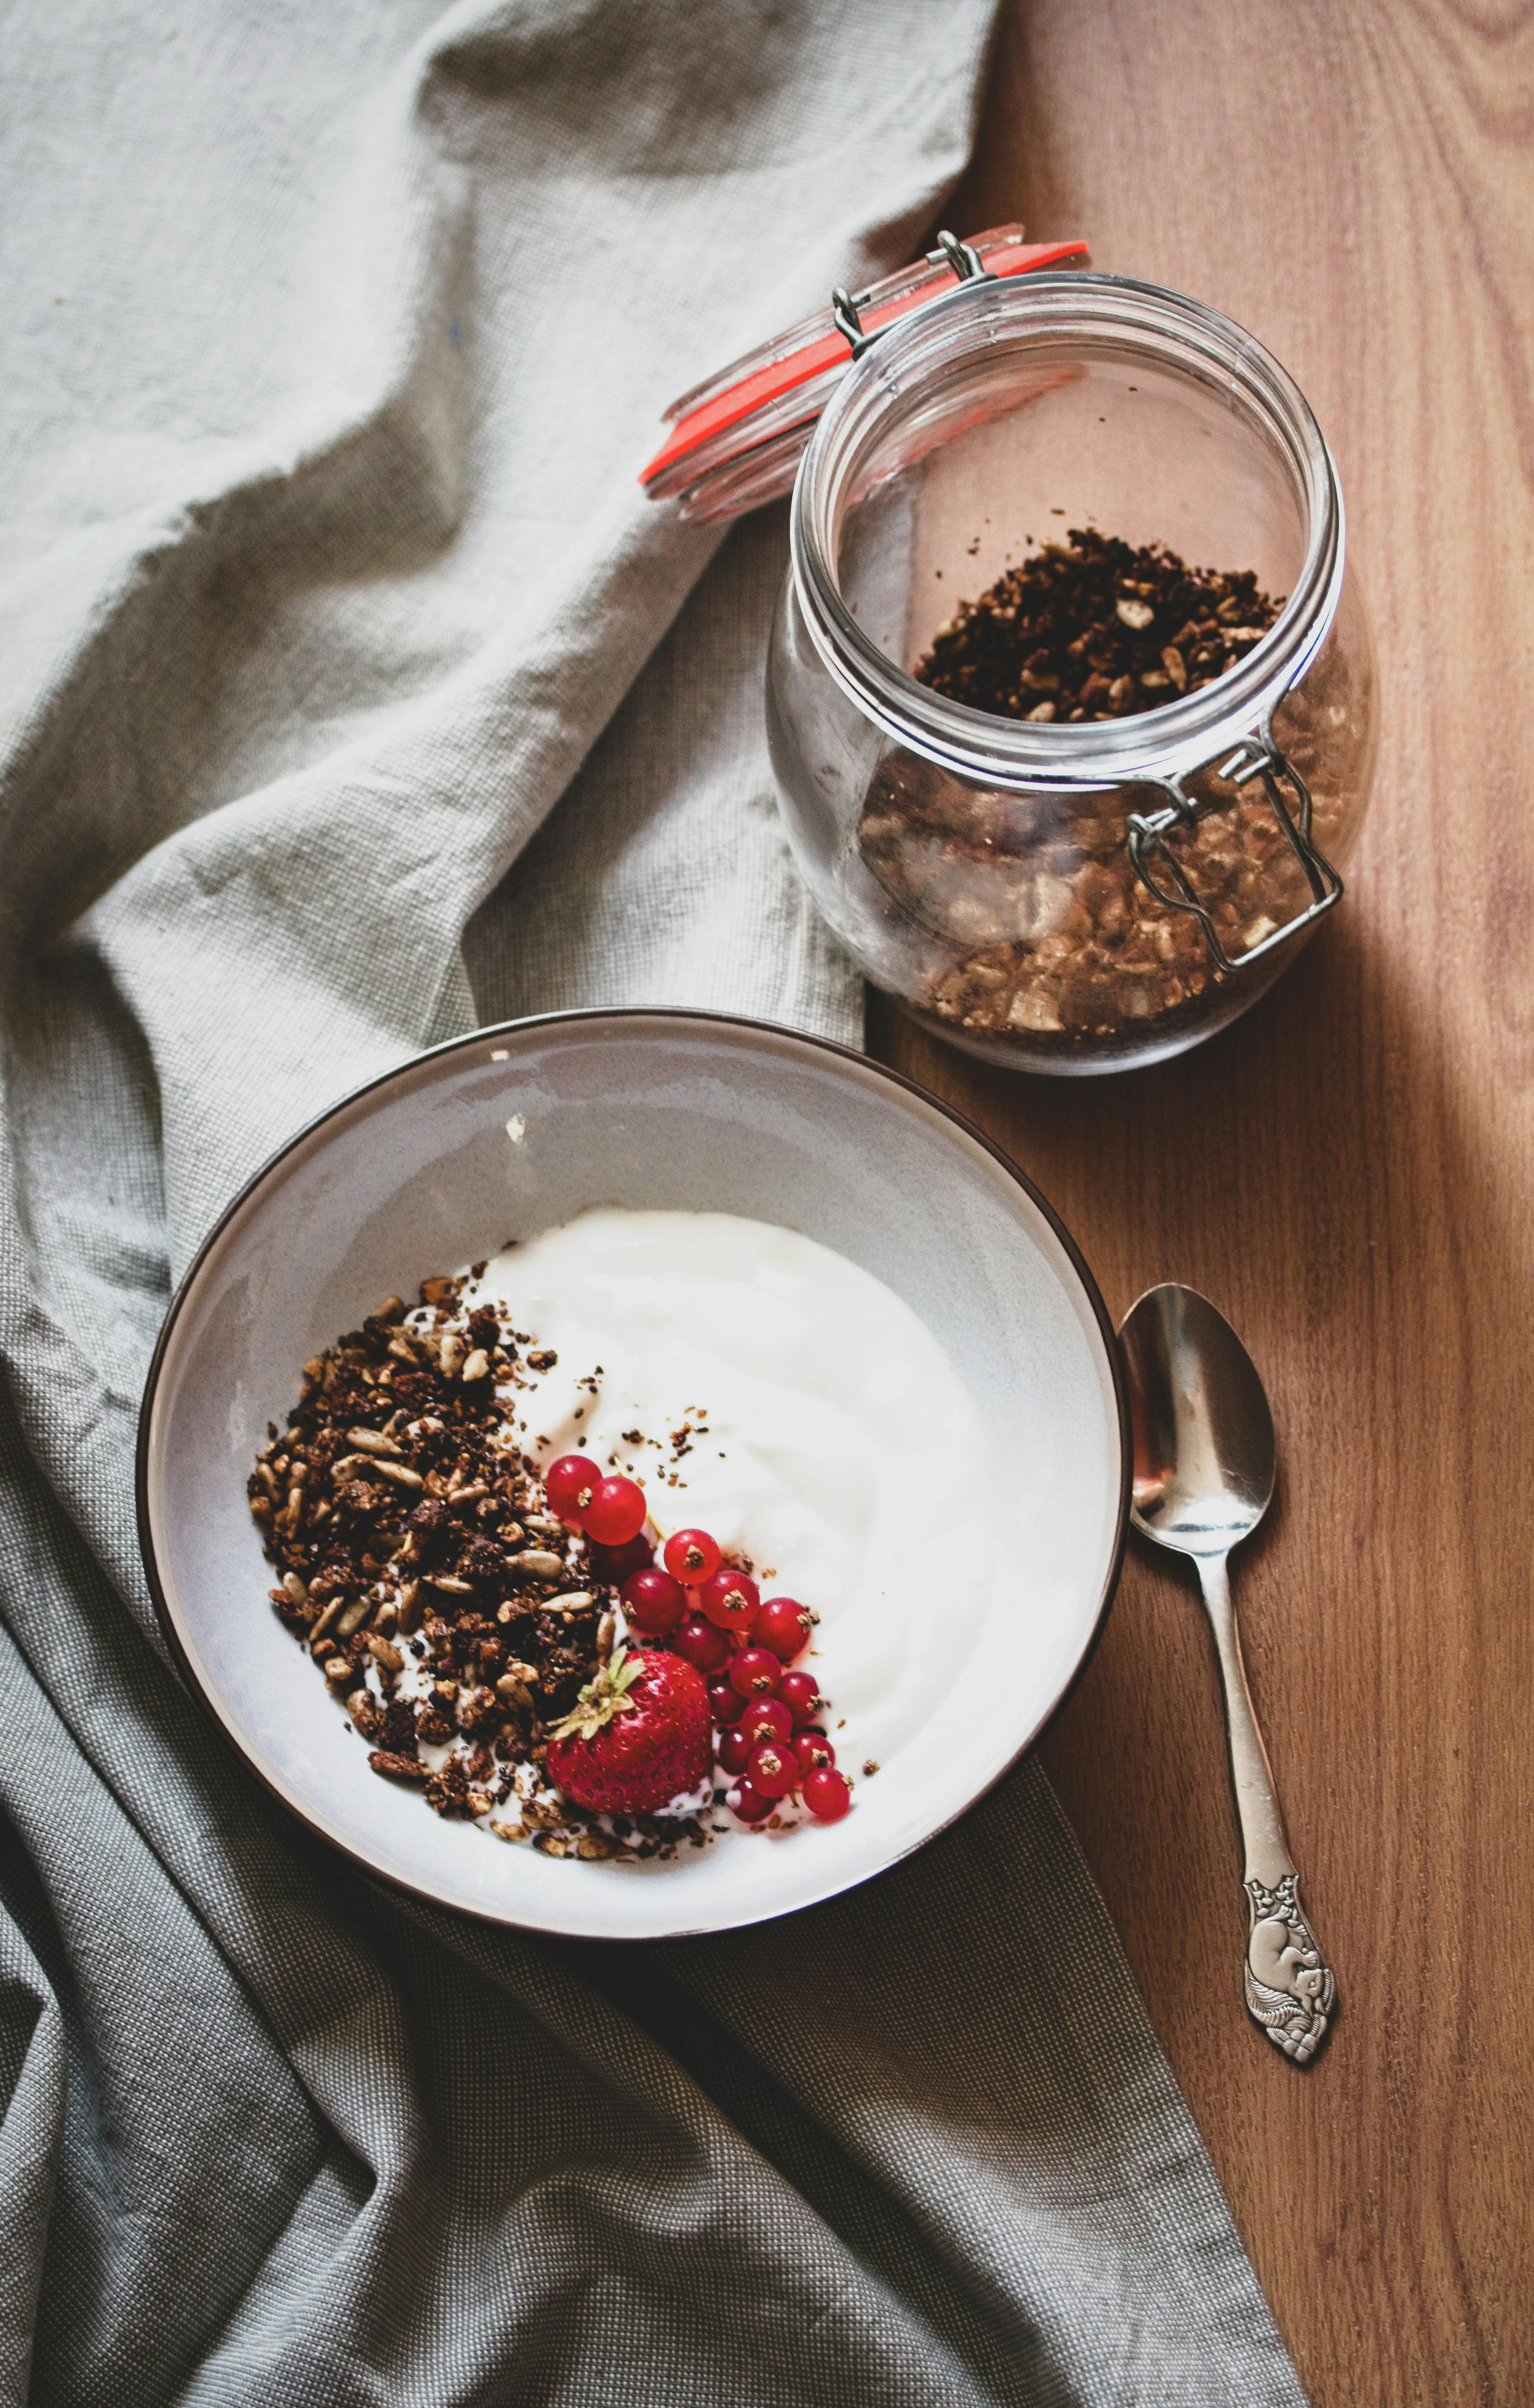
(1153, 745)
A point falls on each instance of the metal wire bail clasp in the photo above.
(846, 308)
(1257, 756)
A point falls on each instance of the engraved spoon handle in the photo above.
(1290, 1990)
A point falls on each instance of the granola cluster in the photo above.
(1046, 931)
(1021, 917)
(1096, 629)
(453, 1616)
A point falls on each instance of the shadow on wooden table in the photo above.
(1320, 1173)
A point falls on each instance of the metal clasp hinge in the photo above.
(1256, 757)
(846, 308)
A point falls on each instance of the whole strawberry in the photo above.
(640, 1735)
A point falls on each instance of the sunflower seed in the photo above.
(384, 1652)
(354, 1616)
(478, 1366)
(370, 1441)
(400, 1473)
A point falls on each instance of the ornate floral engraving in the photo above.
(1289, 1990)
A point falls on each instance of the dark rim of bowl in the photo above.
(776, 1029)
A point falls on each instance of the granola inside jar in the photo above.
(1086, 890)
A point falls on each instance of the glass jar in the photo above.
(1068, 897)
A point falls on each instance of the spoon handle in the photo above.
(1290, 1990)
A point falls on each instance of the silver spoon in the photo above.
(1203, 1476)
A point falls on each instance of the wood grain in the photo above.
(1348, 1174)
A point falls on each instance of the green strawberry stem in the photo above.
(602, 1698)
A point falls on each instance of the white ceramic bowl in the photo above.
(418, 1173)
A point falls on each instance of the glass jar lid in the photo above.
(734, 442)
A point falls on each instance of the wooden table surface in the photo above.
(1348, 1174)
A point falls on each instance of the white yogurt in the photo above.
(766, 1389)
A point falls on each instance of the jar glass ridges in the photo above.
(978, 866)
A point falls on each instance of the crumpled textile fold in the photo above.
(353, 694)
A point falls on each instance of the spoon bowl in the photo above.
(1203, 1435)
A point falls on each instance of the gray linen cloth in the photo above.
(335, 338)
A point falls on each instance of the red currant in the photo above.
(827, 1795)
(754, 1671)
(797, 1690)
(749, 1803)
(572, 1483)
(702, 1644)
(730, 1599)
(615, 1564)
(724, 1700)
(766, 1720)
(691, 1556)
(772, 1771)
(813, 1750)
(785, 1625)
(734, 1750)
(616, 1512)
(652, 1602)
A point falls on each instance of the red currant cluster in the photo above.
(715, 1617)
